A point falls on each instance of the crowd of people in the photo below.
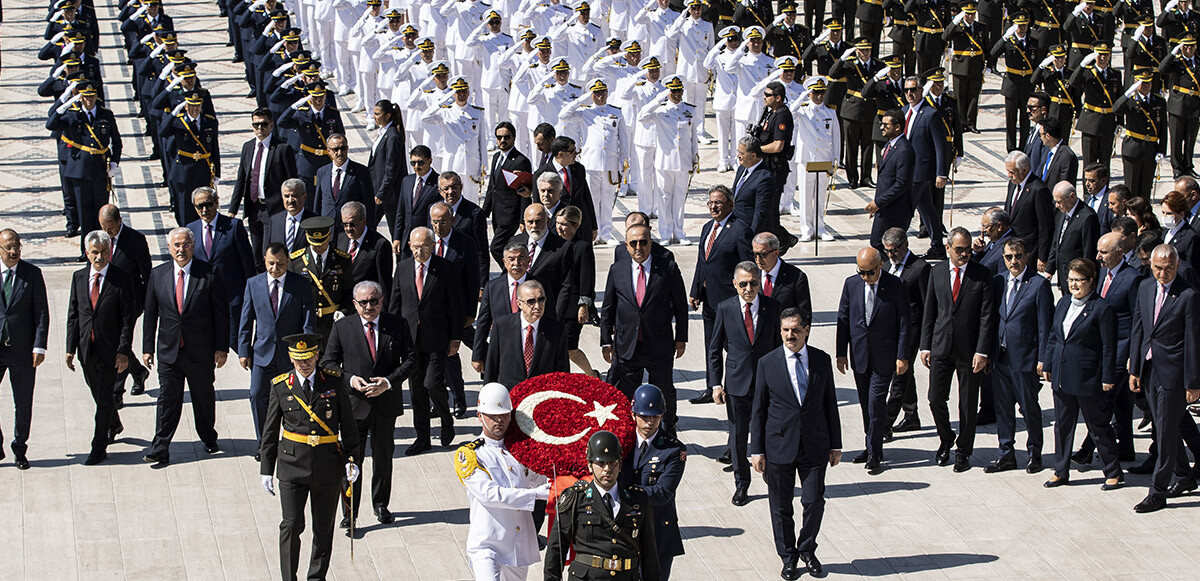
(504, 133)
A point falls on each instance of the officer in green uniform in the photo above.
(610, 526)
(327, 269)
(966, 38)
(1052, 77)
(1101, 85)
(1145, 114)
(1183, 66)
(306, 410)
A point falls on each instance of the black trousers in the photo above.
(737, 409)
(871, 30)
(135, 368)
(21, 378)
(626, 375)
(501, 234)
(1182, 133)
(199, 377)
(858, 151)
(1168, 408)
(967, 90)
(70, 211)
(454, 373)
(1097, 149)
(428, 383)
(902, 395)
(1096, 411)
(381, 429)
(292, 498)
(884, 221)
(99, 376)
(814, 19)
(924, 193)
(709, 313)
(941, 372)
(185, 212)
(1139, 174)
(257, 219)
(1016, 119)
(1017, 387)
(872, 387)
(88, 196)
(781, 490)
(1122, 420)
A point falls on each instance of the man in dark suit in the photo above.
(527, 344)
(724, 242)
(549, 261)
(926, 130)
(187, 310)
(752, 188)
(24, 324)
(575, 191)
(418, 191)
(1163, 354)
(1024, 309)
(746, 328)
(873, 329)
(794, 429)
(426, 292)
(503, 204)
(284, 227)
(342, 181)
(1060, 164)
(266, 163)
(499, 298)
(892, 206)
(783, 282)
(956, 338)
(387, 165)
(1030, 206)
(989, 252)
(370, 253)
(914, 272)
(221, 241)
(374, 352)
(1095, 188)
(131, 254)
(656, 465)
(274, 305)
(641, 300)
(460, 251)
(100, 319)
(1076, 230)
(467, 218)
(1038, 108)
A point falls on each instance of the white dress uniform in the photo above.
(750, 68)
(345, 16)
(620, 17)
(432, 24)
(676, 129)
(411, 70)
(462, 147)
(367, 37)
(719, 60)
(603, 151)
(817, 139)
(389, 51)
(654, 22)
(424, 96)
(576, 41)
(491, 50)
(502, 540)
(462, 18)
(613, 68)
(694, 37)
(322, 38)
(544, 16)
(508, 9)
(548, 98)
(528, 71)
(635, 95)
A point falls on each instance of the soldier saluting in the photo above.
(93, 143)
(307, 407)
(327, 269)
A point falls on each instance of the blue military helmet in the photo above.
(648, 400)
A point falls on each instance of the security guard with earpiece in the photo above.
(328, 270)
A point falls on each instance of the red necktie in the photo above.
(957, 284)
(208, 240)
(712, 238)
(95, 294)
(179, 293)
(512, 303)
(768, 287)
(528, 348)
(441, 251)
(371, 339)
(749, 324)
(353, 249)
(337, 183)
(908, 120)
(641, 284)
(1107, 282)
(420, 280)
(566, 182)
(886, 151)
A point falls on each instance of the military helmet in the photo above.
(604, 446)
(648, 400)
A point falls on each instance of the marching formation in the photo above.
(504, 133)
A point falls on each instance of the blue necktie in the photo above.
(1046, 168)
(801, 378)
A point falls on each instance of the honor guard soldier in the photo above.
(72, 43)
(89, 132)
(1184, 69)
(1083, 28)
(309, 421)
(1018, 51)
(657, 465)
(932, 16)
(677, 156)
(314, 119)
(903, 33)
(604, 150)
(193, 153)
(502, 540)
(1101, 85)
(886, 91)
(788, 38)
(68, 17)
(1178, 19)
(609, 525)
(1128, 15)
(990, 13)
(856, 111)
(1145, 114)
(825, 51)
(1146, 51)
(695, 37)
(463, 145)
(1047, 25)
(817, 139)
(966, 37)
(1053, 78)
(327, 269)
(936, 95)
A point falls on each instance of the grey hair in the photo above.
(98, 238)
(531, 285)
(959, 231)
(549, 177)
(748, 267)
(997, 215)
(419, 231)
(204, 190)
(1166, 251)
(294, 185)
(369, 284)
(1064, 188)
(1019, 158)
(355, 208)
(767, 239)
(895, 236)
(182, 230)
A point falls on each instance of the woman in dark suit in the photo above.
(1176, 230)
(580, 284)
(388, 163)
(1080, 364)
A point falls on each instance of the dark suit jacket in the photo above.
(26, 315)
(992, 255)
(231, 254)
(552, 265)
(1025, 323)
(915, 275)
(581, 280)
(277, 167)
(1035, 149)
(356, 186)
(410, 215)
(505, 361)
(1122, 296)
(579, 195)
(958, 330)
(877, 346)
(373, 260)
(712, 281)
(752, 199)
(622, 320)
(790, 288)
(347, 351)
(1187, 243)
(276, 230)
(203, 326)
(496, 302)
(262, 330)
(388, 164)
(932, 153)
(1064, 167)
(132, 255)
(1078, 363)
(98, 334)
(779, 423)
(469, 220)
(461, 252)
(1078, 241)
(436, 318)
(1174, 337)
(1032, 216)
(659, 471)
(729, 335)
(893, 187)
(503, 204)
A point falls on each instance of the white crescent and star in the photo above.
(527, 407)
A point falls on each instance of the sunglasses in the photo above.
(764, 254)
(260, 124)
(868, 272)
(368, 302)
(533, 302)
(892, 251)
(638, 243)
(342, 148)
(748, 284)
(418, 162)
(911, 89)
(500, 136)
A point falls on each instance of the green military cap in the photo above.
(303, 346)
(894, 62)
(318, 229)
(968, 7)
(1020, 18)
(1101, 48)
(937, 75)
(833, 24)
(1188, 40)
(1058, 51)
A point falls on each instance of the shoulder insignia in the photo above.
(689, 104)
(445, 106)
(574, 85)
(615, 107)
(640, 83)
(341, 253)
(298, 253)
(280, 378)
(465, 461)
(331, 372)
(207, 116)
(477, 108)
(428, 90)
(549, 85)
(634, 488)
(180, 116)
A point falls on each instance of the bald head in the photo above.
(868, 261)
(1109, 250)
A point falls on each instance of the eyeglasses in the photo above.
(206, 205)
(712, 203)
(911, 89)
(1032, 107)
(260, 124)
(342, 148)
(1077, 280)
(367, 302)
(533, 302)
(638, 243)
(748, 284)
(961, 249)
(892, 251)
(1017, 256)
(770, 94)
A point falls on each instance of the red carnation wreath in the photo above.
(555, 414)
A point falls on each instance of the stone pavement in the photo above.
(208, 517)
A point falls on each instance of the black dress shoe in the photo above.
(943, 456)
(935, 253)
(22, 463)
(237, 59)
(962, 463)
(251, 95)
(418, 447)
(725, 458)
(95, 458)
(1055, 482)
(257, 457)
(1127, 456)
(2, 454)
(1000, 465)
(119, 401)
(861, 458)
(1181, 487)
(1146, 467)
(72, 231)
(447, 433)
(740, 496)
(727, 468)
(789, 572)
(811, 563)
(154, 155)
(874, 465)
(705, 397)
(866, 183)
(853, 185)
(1035, 465)
(1082, 457)
(345, 524)
(211, 448)
(139, 381)
(1151, 503)
(1144, 423)
(922, 233)
(1118, 484)
(460, 411)
(384, 516)
(159, 460)
(907, 426)
(112, 433)
(889, 436)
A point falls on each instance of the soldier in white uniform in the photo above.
(653, 19)
(676, 155)
(528, 68)
(490, 46)
(550, 94)
(718, 60)
(502, 540)
(396, 44)
(604, 150)
(321, 35)
(618, 68)
(462, 146)
(432, 24)
(345, 16)
(545, 15)
(611, 47)
(751, 67)
(414, 68)
(462, 18)
(366, 37)
(817, 139)
(620, 17)
(635, 94)
(694, 36)
(578, 38)
(432, 91)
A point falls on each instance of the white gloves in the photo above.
(1158, 157)
(1175, 51)
(1132, 89)
(1046, 62)
(58, 71)
(928, 87)
(352, 473)
(281, 69)
(1079, 9)
(175, 83)
(67, 105)
(338, 315)
(1012, 31)
(957, 161)
(178, 109)
(1170, 5)
(847, 54)
(882, 73)
(1087, 60)
(302, 102)
(958, 18)
(112, 168)
(824, 36)
(166, 71)
(68, 47)
(70, 92)
(258, 4)
(158, 50)
(269, 484)
(543, 492)
(139, 12)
